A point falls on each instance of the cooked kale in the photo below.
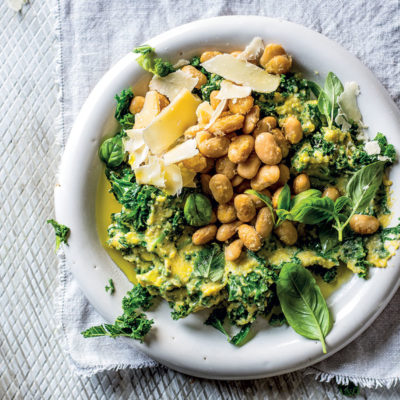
(210, 263)
(277, 320)
(110, 287)
(266, 103)
(123, 102)
(213, 83)
(195, 61)
(148, 62)
(294, 84)
(353, 251)
(327, 275)
(131, 323)
(216, 319)
(61, 231)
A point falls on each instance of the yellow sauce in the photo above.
(105, 206)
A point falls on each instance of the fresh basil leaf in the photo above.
(197, 210)
(210, 263)
(313, 210)
(310, 193)
(315, 88)
(283, 214)
(364, 184)
(333, 87)
(302, 303)
(325, 106)
(112, 152)
(265, 199)
(240, 337)
(328, 238)
(342, 202)
(284, 198)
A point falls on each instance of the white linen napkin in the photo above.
(94, 34)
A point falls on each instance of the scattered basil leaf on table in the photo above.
(197, 210)
(302, 303)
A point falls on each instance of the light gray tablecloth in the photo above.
(94, 34)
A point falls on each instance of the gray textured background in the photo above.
(32, 363)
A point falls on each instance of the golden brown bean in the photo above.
(227, 124)
(226, 213)
(265, 222)
(226, 231)
(213, 217)
(212, 146)
(301, 183)
(275, 197)
(266, 176)
(364, 224)
(214, 101)
(293, 130)
(250, 238)
(265, 125)
(226, 167)
(240, 148)
(279, 65)
(192, 131)
(251, 119)
(237, 180)
(271, 50)
(205, 181)
(197, 163)
(243, 186)
(233, 251)
(245, 208)
(281, 141)
(204, 234)
(136, 104)
(284, 175)
(241, 106)
(248, 169)
(267, 149)
(221, 188)
(195, 73)
(257, 201)
(209, 167)
(164, 102)
(331, 192)
(207, 55)
(287, 233)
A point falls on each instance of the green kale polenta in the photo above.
(250, 185)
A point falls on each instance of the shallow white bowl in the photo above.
(188, 345)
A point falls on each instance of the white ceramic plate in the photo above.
(188, 345)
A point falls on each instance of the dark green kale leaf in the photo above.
(149, 62)
(61, 232)
(213, 83)
(216, 319)
(210, 263)
(127, 121)
(110, 287)
(277, 320)
(293, 84)
(266, 103)
(123, 102)
(349, 390)
(195, 61)
(353, 250)
(131, 323)
(327, 275)
(239, 338)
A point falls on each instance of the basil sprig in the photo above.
(328, 97)
(309, 207)
(302, 303)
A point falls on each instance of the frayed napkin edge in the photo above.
(370, 383)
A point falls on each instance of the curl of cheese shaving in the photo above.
(231, 91)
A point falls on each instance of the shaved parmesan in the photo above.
(348, 101)
(231, 91)
(253, 50)
(172, 122)
(152, 173)
(151, 108)
(173, 179)
(242, 72)
(204, 112)
(181, 63)
(172, 84)
(372, 148)
(217, 112)
(181, 152)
